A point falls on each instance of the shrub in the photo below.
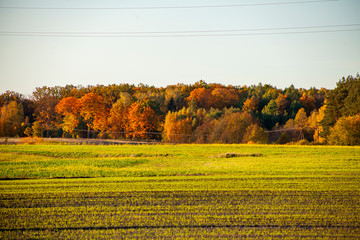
(30, 140)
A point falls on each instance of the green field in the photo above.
(179, 191)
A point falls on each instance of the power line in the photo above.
(191, 31)
(174, 35)
(167, 7)
(200, 33)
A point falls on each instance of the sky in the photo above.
(307, 43)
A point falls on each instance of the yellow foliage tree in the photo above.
(231, 127)
(301, 119)
(255, 134)
(314, 123)
(346, 131)
(178, 126)
(251, 104)
(11, 118)
(118, 119)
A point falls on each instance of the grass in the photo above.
(49, 161)
(179, 191)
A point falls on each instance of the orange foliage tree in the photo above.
(224, 97)
(308, 102)
(118, 119)
(179, 126)
(219, 97)
(282, 104)
(70, 108)
(94, 112)
(142, 120)
(202, 97)
(251, 104)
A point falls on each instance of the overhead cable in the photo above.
(199, 33)
(168, 7)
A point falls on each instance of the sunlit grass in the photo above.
(46, 161)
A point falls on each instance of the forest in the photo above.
(188, 113)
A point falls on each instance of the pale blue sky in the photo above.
(303, 59)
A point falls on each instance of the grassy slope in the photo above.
(179, 191)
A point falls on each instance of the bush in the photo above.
(303, 142)
(30, 140)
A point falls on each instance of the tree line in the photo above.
(188, 113)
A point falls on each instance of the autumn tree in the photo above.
(174, 99)
(231, 127)
(314, 121)
(118, 119)
(202, 97)
(255, 134)
(28, 105)
(308, 103)
(301, 122)
(178, 126)
(94, 112)
(47, 92)
(282, 104)
(10, 96)
(45, 114)
(202, 133)
(70, 108)
(181, 126)
(37, 129)
(301, 119)
(112, 93)
(11, 119)
(251, 104)
(224, 97)
(272, 93)
(346, 131)
(142, 120)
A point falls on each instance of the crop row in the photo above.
(214, 212)
(186, 233)
(175, 198)
(181, 183)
